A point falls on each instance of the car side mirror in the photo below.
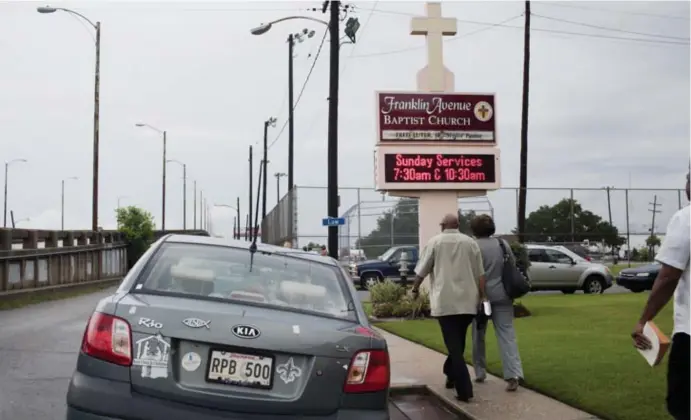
(574, 262)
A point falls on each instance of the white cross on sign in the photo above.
(434, 27)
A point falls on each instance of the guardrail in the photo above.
(68, 258)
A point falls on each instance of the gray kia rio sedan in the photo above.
(205, 329)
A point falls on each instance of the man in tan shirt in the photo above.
(457, 283)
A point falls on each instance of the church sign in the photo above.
(436, 117)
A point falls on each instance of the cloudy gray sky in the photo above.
(602, 111)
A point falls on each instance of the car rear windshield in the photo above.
(223, 273)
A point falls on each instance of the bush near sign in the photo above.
(439, 168)
(437, 117)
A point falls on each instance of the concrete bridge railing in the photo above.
(44, 260)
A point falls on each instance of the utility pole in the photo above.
(237, 208)
(654, 211)
(250, 215)
(332, 144)
(609, 211)
(247, 226)
(201, 210)
(163, 186)
(523, 177)
(97, 113)
(184, 196)
(255, 228)
(291, 116)
(278, 176)
(194, 211)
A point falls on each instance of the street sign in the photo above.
(333, 221)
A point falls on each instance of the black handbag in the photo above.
(515, 283)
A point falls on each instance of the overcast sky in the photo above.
(602, 111)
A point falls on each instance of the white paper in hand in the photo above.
(655, 354)
(487, 308)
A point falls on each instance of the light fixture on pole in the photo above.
(278, 176)
(7, 166)
(62, 200)
(163, 182)
(97, 90)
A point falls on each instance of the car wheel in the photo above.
(369, 280)
(568, 291)
(593, 285)
(637, 290)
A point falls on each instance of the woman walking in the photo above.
(493, 249)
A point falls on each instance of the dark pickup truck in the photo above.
(367, 273)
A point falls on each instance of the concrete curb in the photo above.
(451, 405)
(40, 291)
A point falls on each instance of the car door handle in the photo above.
(551, 266)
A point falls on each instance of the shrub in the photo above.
(386, 292)
(138, 227)
(383, 310)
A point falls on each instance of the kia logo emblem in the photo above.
(245, 331)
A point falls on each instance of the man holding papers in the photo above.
(673, 280)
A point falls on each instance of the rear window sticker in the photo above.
(191, 361)
(288, 372)
(152, 355)
(133, 309)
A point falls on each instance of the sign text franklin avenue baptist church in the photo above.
(438, 117)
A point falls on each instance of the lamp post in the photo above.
(270, 122)
(237, 216)
(62, 201)
(120, 197)
(278, 176)
(352, 25)
(194, 207)
(163, 182)
(292, 39)
(7, 166)
(97, 89)
(184, 191)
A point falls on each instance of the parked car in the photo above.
(207, 329)
(558, 268)
(639, 279)
(386, 266)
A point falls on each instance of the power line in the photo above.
(451, 39)
(352, 50)
(304, 85)
(608, 28)
(626, 12)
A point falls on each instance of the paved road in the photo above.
(38, 353)
(364, 295)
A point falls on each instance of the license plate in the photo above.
(240, 369)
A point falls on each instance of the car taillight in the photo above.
(587, 257)
(108, 338)
(369, 371)
(366, 331)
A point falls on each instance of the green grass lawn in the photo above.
(576, 349)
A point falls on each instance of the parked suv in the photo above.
(367, 273)
(558, 268)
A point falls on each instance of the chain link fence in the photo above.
(366, 210)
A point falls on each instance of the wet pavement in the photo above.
(419, 407)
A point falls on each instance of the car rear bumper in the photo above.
(637, 284)
(91, 398)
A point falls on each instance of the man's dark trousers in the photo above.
(678, 377)
(454, 329)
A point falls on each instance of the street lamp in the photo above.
(270, 122)
(97, 89)
(292, 38)
(163, 182)
(237, 217)
(7, 165)
(184, 191)
(62, 201)
(278, 176)
(351, 28)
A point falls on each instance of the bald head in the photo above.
(450, 221)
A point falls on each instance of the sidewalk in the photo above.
(413, 364)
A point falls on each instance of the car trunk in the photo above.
(297, 363)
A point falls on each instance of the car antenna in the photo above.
(253, 245)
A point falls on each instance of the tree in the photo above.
(652, 241)
(138, 227)
(400, 226)
(553, 224)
